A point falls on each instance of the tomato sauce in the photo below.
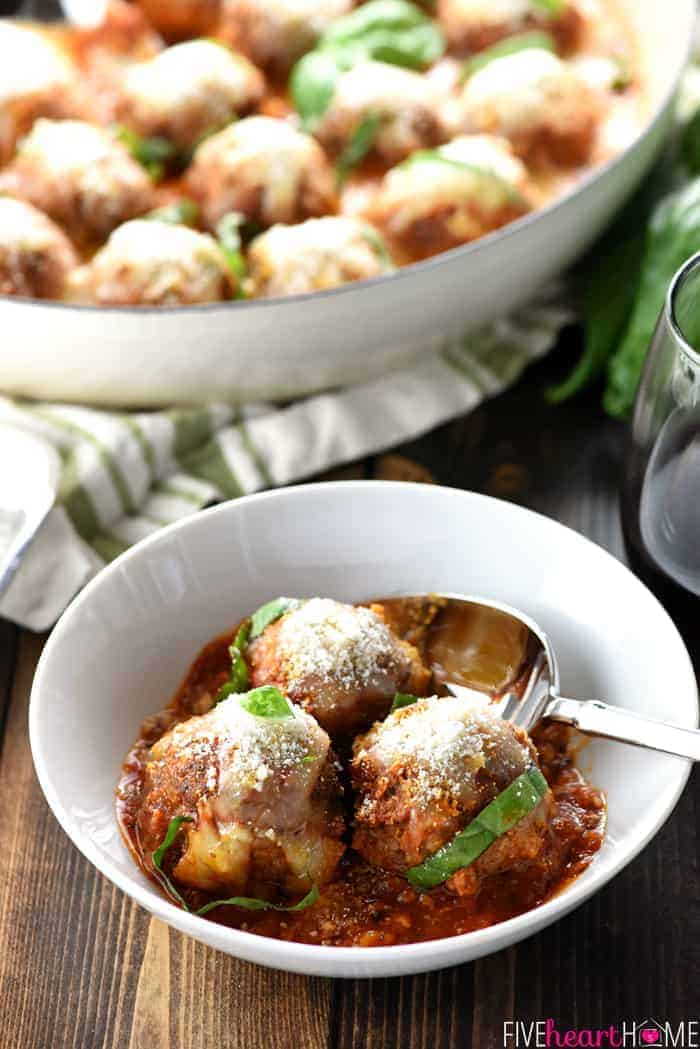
(365, 906)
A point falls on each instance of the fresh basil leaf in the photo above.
(159, 855)
(312, 83)
(250, 903)
(267, 702)
(228, 233)
(394, 31)
(673, 235)
(154, 154)
(690, 143)
(270, 613)
(510, 46)
(553, 8)
(403, 699)
(180, 213)
(238, 678)
(498, 817)
(358, 147)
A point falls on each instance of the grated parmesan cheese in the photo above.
(327, 641)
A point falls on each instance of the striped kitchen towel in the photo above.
(126, 474)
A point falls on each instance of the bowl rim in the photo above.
(580, 187)
(326, 960)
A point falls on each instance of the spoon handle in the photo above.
(599, 719)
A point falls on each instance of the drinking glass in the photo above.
(661, 494)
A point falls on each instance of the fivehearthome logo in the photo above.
(627, 1034)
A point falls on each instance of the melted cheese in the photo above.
(198, 70)
(264, 152)
(23, 226)
(380, 86)
(29, 63)
(520, 91)
(493, 12)
(316, 254)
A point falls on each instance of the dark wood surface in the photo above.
(82, 967)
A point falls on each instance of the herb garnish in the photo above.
(270, 613)
(507, 809)
(267, 702)
(510, 46)
(182, 212)
(249, 903)
(154, 154)
(238, 678)
(403, 699)
(357, 148)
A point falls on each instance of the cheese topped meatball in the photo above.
(472, 25)
(341, 663)
(405, 103)
(425, 772)
(187, 91)
(440, 198)
(539, 102)
(35, 255)
(148, 262)
(36, 79)
(315, 255)
(263, 797)
(264, 168)
(275, 33)
(80, 176)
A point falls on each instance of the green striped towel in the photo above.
(126, 474)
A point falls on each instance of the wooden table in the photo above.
(82, 967)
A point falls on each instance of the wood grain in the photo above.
(82, 968)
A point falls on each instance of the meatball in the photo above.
(263, 796)
(148, 262)
(537, 101)
(180, 19)
(406, 104)
(316, 254)
(440, 198)
(35, 255)
(80, 176)
(36, 79)
(425, 772)
(343, 664)
(264, 168)
(187, 91)
(275, 33)
(472, 25)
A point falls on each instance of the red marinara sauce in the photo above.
(365, 906)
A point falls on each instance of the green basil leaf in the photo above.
(154, 154)
(159, 855)
(180, 213)
(403, 699)
(228, 233)
(376, 242)
(358, 147)
(270, 613)
(267, 702)
(394, 31)
(553, 8)
(312, 83)
(250, 903)
(510, 46)
(498, 817)
(672, 236)
(238, 678)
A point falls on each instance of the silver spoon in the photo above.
(29, 472)
(481, 648)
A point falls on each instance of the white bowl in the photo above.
(124, 644)
(280, 348)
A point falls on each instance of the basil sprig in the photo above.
(182, 212)
(270, 613)
(393, 31)
(403, 699)
(511, 45)
(358, 147)
(155, 154)
(507, 809)
(238, 678)
(248, 903)
(267, 702)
